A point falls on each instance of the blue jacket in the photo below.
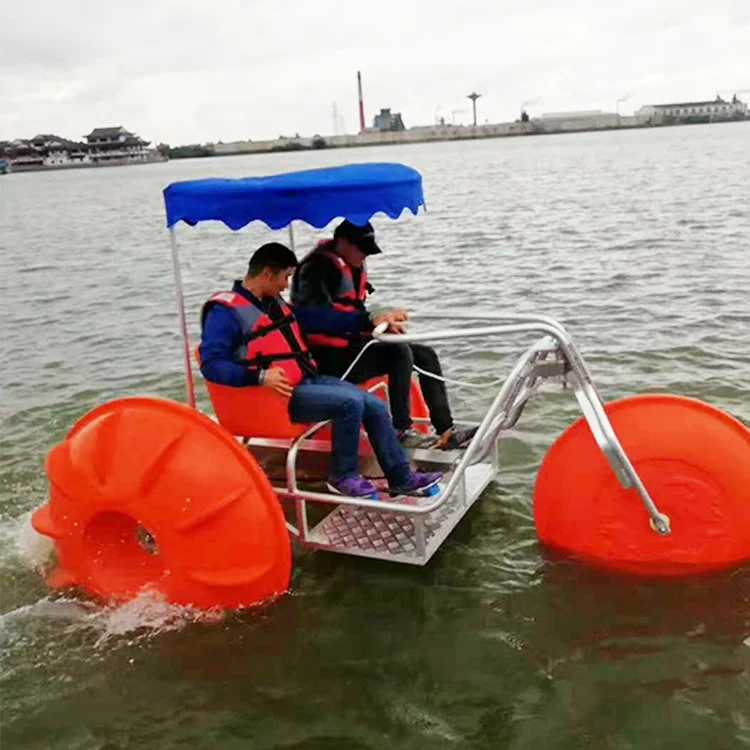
(222, 336)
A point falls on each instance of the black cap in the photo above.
(363, 237)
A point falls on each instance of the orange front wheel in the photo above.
(693, 459)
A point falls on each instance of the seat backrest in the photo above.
(256, 412)
(252, 412)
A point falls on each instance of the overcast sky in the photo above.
(195, 71)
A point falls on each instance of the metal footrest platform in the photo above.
(399, 537)
(314, 459)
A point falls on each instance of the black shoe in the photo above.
(456, 437)
(413, 439)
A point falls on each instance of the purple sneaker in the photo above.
(354, 487)
(419, 483)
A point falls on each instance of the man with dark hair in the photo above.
(250, 337)
(334, 276)
(274, 256)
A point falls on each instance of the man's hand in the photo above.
(394, 318)
(399, 314)
(276, 380)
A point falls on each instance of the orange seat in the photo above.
(254, 412)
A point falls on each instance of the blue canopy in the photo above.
(316, 196)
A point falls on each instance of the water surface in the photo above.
(637, 241)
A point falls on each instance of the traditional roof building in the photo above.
(103, 146)
(115, 144)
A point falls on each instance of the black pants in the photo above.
(397, 362)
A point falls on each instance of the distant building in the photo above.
(104, 146)
(713, 111)
(575, 115)
(117, 144)
(593, 119)
(39, 152)
(386, 121)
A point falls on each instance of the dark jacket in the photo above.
(316, 282)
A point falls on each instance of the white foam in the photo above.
(33, 547)
(22, 546)
(65, 608)
(147, 615)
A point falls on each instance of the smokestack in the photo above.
(361, 104)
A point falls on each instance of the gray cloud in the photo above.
(192, 71)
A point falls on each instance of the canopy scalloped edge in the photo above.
(358, 218)
(356, 192)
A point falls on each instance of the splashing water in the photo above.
(34, 548)
(143, 617)
(146, 615)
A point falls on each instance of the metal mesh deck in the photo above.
(387, 535)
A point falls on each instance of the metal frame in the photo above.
(532, 368)
(189, 383)
(554, 355)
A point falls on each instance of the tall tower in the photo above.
(361, 103)
(474, 96)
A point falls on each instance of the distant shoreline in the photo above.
(396, 138)
(427, 135)
(22, 169)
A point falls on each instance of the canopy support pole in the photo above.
(183, 321)
(291, 237)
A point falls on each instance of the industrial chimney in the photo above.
(361, 103)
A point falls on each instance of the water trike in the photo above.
(151, 493)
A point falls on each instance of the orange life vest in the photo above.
(347, 297)
(266, 343)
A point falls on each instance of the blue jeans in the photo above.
(323, 397)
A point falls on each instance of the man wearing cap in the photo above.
(334, 274)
